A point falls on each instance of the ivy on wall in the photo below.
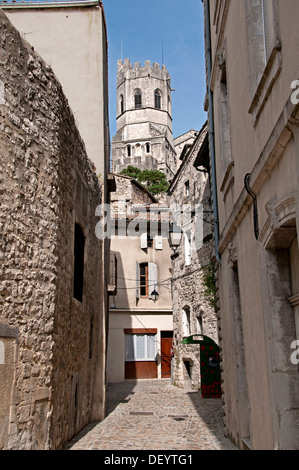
(209, 282)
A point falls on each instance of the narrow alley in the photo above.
(154, 415)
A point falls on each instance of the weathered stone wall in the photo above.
(46, 185)
(189, 289)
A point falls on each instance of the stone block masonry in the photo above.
(51, 343)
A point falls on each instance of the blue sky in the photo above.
(141, 26)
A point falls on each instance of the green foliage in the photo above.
(209, 280)
(153, 180)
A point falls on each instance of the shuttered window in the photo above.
(143, 276)
(146, 279)
(188, 248)
(158, 242)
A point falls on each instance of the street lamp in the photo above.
(174, 236)
(155, 295)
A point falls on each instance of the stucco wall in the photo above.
(72, 40)
(256, 122)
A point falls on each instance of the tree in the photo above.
(153, 180)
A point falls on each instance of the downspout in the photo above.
(211, 127)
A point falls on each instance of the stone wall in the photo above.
(52, 342)
(189, 289)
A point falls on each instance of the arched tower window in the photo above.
(169, 105)
(128, 150)
(138, 99)
(147, 147)
(157, 99)
(121, 104)
(137, 150)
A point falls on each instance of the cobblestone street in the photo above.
(153, 415)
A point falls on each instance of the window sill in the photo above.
(266, 83)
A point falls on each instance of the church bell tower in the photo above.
(144, 119)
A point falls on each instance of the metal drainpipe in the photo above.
(211, 127)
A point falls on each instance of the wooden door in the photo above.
(166, 344)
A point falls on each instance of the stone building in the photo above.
(193, 308)
(52, 287)
(140, 306)
(144, 119)
(181, 142)
(253, 107)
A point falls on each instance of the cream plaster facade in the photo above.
(131, 309)
(252, 61)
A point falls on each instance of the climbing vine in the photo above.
(209, 281)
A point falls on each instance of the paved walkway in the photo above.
(154, 415)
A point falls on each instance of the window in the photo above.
(267, 11)
(146, 279)
(147, 241)
(140, 347)
(225, 133)
(138, 99)
(186, 322)
(199, 325)
(137, 150)
(79, 244)
(128, 150)
(158, 242)
(187, 189)
(150, 242)
(169, 105)
(264, 46)
(143, 277)
(121, 104)
(147, 148)
(188, 248)
(157, 99)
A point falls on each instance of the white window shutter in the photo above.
(188, 249)
(143, 241)
(137, 281)
(152, 278)
(158, 242)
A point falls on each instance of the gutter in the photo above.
(211, 127)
